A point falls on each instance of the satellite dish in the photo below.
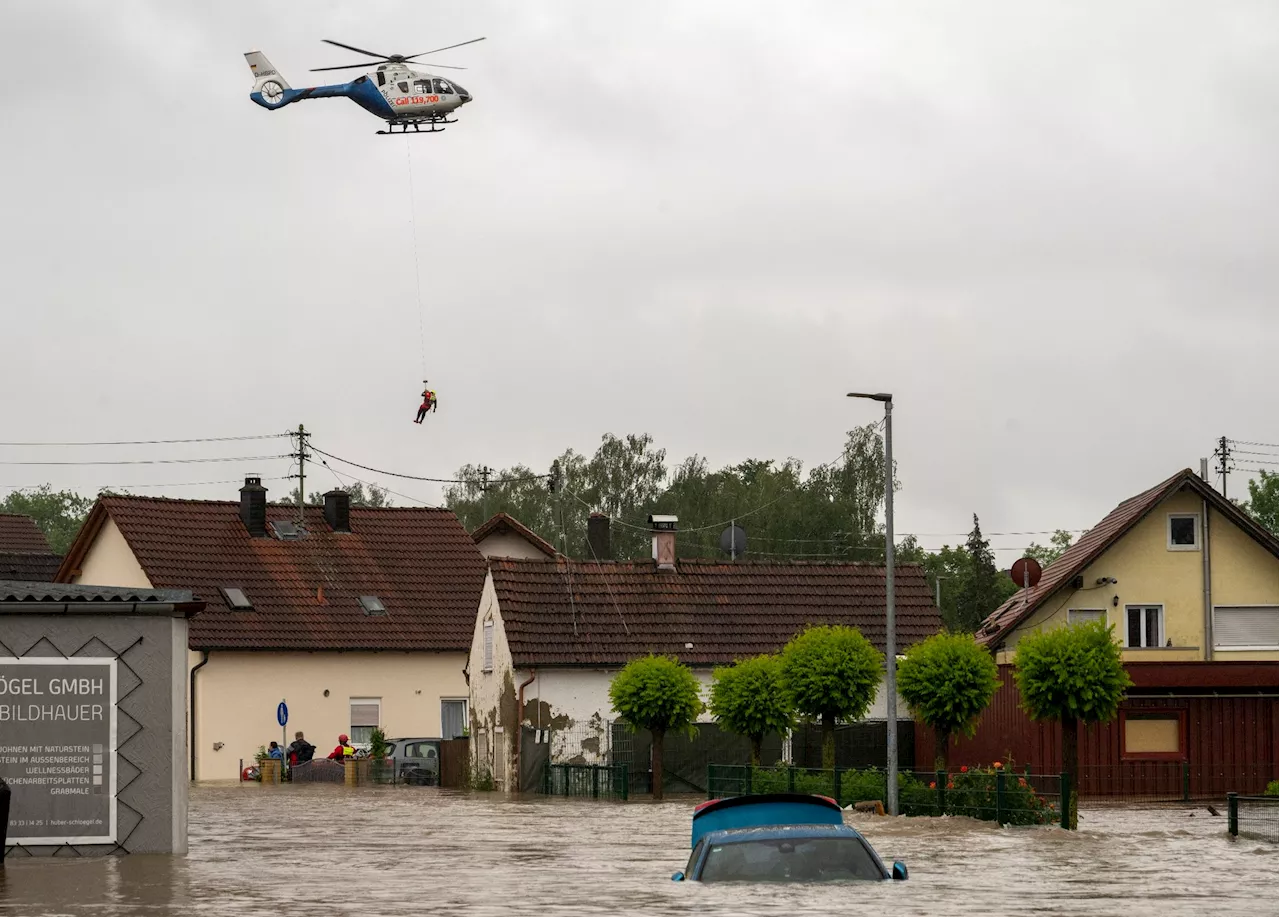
(733, 541)
(1026, 572)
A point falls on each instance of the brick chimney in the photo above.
(253, 506)
(598, 536)
(337, 510)
(664, 541)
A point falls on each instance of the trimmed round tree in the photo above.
(659, 694)
(1073, 674)
(947, 681)
(748, 699)
(831, 673)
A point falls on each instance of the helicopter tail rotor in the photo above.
(264, 72)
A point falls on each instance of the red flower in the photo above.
(951, 786)
(1021, 782)
(933, 785)
(964, 768)
(997, 765)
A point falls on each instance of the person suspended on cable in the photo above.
(429, 403)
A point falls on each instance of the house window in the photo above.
(1184, 531)
(1086, 615)
(453, 718)
(235, 598)
(488, 646)
(366, 714)
(1144, 626)
(1246, 627)
(1153, 735)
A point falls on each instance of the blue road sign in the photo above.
(282, 714)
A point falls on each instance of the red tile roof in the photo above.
(1102, 536)
(420, 562)
(622, 609)
(21, 535)
(501, 522)
(29, 568)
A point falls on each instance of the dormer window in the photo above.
(1184, 531)
(372, 605)
(235, 598)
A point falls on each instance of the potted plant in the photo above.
(379, 766)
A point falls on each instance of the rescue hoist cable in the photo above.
(417, 271)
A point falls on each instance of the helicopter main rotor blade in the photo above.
(438, 50)
(367, 64)
(444, 67)
(330, 41)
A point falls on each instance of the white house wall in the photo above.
(508, 544)
(492, 693)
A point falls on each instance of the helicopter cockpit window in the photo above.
(421, 87)
(442, 86)
(403, 86)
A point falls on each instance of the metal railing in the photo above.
(590, 781)
(988, 793)
(1171, 781)
(1256, 817)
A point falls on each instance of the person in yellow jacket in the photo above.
(343, 750)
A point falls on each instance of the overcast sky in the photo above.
(1049, 229)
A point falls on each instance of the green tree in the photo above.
(58, 513)
(1058, 543)
(831, 673)
(748, 699)
(659, 694)
(1262, 502)
(374, 497)
(981, 592)
(1072, 674)
(948, 680)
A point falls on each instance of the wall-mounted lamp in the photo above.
(1115, 601)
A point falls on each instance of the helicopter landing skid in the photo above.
(418, 128)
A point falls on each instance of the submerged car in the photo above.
(417, 761)
(780, 837)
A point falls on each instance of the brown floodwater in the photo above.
(327, 850)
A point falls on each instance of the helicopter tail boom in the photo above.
(263, 71)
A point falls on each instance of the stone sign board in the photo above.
(58, 748)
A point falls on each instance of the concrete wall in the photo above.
(1149, 573)
(151, 720)
(237, 693)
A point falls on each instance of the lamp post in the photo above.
(890, 644)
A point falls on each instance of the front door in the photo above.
(453, 718)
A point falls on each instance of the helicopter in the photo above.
(399, 95)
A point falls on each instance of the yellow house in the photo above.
(357, 617)
(1181, 572)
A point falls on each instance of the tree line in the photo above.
(1072, 675)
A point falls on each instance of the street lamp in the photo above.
(890, 647)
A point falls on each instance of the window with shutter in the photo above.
(1255, 627)
(488, 646)
(366, 714)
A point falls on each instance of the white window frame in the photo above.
(363, 701)
(1144, 606)
(487, 646)
(1217, 648)
(1093, 611)
(1168, 532)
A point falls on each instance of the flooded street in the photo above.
(327, 850)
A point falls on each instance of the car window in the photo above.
(819, 859)
(429, 752)
(693, 857)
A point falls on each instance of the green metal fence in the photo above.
(1256, 817)
(590, 781)
(988, 793)
(1154, 782)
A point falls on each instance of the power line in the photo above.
(379, 486)
(131, 486)
(150, 461)
(155, 442)
(1245, 442)
(414, 477)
